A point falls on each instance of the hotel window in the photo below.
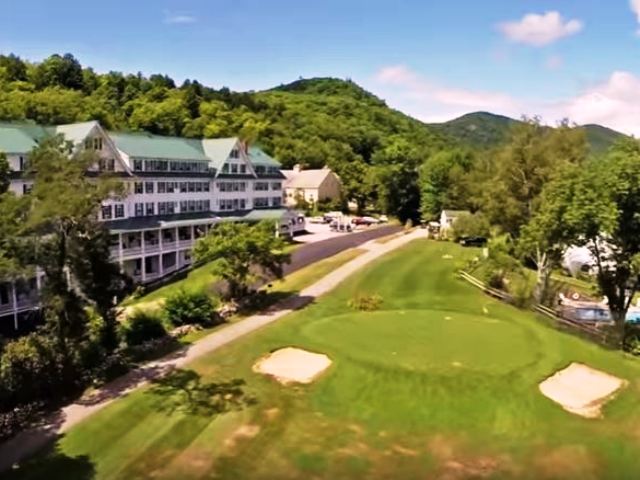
(162, 187)
(106, 212)
(191, 186)
(235, 153)
(198, 186)
(243, 204)
(137, 165)
(243, 168)
(260, 202)
(205, 186)
(149, 208)
(276, 186)
(183, 206)
(234, 168)
(97, 143)
(276, 201)
(139, 209)
(183, 187)
(162, 208)
(137, 187)
(171, 187)
(225, 168)
(261, 186)
(119, 211)
(148, 187)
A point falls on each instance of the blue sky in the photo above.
(432, 59)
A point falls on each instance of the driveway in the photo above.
(315, 251)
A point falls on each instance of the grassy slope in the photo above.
(429, 385)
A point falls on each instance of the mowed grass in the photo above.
(441, 382)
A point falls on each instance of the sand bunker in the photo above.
(293, 365)
(581, 390)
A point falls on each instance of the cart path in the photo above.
(31, 441)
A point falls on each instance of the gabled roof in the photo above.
(218, 150)
(76, 132)
(455, 213)
(306, 178)
(147, 145)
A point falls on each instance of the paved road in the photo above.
(312, 252)
(31, 441)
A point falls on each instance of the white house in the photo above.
(177, 189)
(312, 186)
(448, 218)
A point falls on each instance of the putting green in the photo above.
(426, 340)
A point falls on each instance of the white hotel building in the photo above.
(177, 188)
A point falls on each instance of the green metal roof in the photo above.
(266, 214)
(16, 140)
(155, 146)
(258, 157)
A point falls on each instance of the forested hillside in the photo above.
(385, 158)
(488, 130)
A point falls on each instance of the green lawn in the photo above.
(439, 383)
(199, 279)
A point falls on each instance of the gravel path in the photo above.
(31, 441)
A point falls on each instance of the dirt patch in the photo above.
(272, 413)
(483, 467)
(293, 365)
(244, 432)
(581, 390)
(569, 461)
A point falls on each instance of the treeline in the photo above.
(317, 122)
(540, 194)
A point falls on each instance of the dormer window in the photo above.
(225, 168)
(235, 153)
(234, 168)
(93, 143)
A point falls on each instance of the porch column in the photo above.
(14, 298)
(120, 247)
(175, 237)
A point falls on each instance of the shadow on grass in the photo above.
(184, 391)
(54, 464)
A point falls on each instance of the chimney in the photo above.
(297, 168)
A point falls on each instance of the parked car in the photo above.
(317, 220)
(475, 241)
(337, 226)
(365, 221)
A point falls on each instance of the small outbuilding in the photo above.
(312, 186)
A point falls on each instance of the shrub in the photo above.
(188, 308)
(366, 303)
(471, 225)
(31, 369)
(141, 326)
(17, 419)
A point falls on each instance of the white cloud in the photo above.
(430, 101)
(540, 30)
(554, 62)
(178, 18)
(613, 102)
(635, 8)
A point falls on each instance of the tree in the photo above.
(70, 245)
(522, 168)
(243, 254)
(443, 182)
(59, 71)
(603, 215)
(547, 235)
(4, 173)
(14, 68)
(471, 225)
(397, 178)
